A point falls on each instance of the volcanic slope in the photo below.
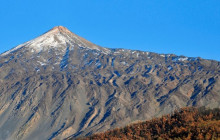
(60, 85)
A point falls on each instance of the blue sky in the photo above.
(182, 27)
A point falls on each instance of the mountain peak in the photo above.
(57, 37)
(59, 29)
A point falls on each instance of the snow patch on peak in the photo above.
(180, 59)
(45, 42)
(162, 55)
(13, 50)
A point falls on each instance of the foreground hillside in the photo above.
(189, 123)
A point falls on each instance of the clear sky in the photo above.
(182, 27)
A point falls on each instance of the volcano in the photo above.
(60, 85)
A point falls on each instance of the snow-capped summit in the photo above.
(58, 37)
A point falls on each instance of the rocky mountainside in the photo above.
(60, 85)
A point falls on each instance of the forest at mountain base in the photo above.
(187, 123)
